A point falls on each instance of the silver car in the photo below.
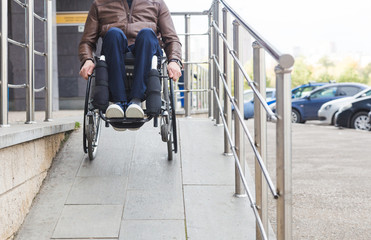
(326, 113)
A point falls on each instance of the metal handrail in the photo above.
(19, 44)
(24, 5)
(237, 161)
(189, 13)
(222, 51)
(42, 19)
(30, 15)
(241, 119)
(285, 60)
(251, 83)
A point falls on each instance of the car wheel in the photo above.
(360, 121)
(295, 116)
(333, 118)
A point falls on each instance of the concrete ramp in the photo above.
(131, 190)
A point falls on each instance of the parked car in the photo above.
(369, 118)
(248, 97)
(306, 108)
(305, 89)
(355, 114)
(326, 114)
(299, 91)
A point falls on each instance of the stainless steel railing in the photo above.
(194, 92)
(221, 53)
(30, 16)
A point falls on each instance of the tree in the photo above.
(302, 72)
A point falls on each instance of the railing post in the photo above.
(4, 65)
(187, 68)
(283, 154)
(238, 97)
(217, 50)
(30, 94)
(260, 125)
(48, 5)
(227, 74)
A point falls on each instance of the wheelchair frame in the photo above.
(93, 117)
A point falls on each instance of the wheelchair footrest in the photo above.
(127, 124)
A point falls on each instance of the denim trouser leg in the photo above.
(115, 45)
(145, 47)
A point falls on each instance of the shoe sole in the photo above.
(115, 112)
(134, 111)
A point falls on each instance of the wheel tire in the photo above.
(333, 119)
(360, 121)
(164, 132)
(170, 152)
(295, 116)
(93, 135)
(173, 118)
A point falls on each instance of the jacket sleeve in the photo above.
(90, 36)
(172, 45)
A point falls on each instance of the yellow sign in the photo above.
(71, 18)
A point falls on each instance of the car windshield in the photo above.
(303, 91)
(365, 94)
(326, 92)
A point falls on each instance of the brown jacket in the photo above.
(153, 14)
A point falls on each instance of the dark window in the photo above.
(326, 92)
(348, 91)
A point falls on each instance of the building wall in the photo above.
(71, 85)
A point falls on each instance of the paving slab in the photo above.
(202, 146)
(114, 155)
(212, 211)
(98, 190)
(89, 221)
(152, 229)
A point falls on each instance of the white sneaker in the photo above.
(134, 111)
(115, 111)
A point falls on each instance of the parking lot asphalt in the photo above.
(331, 177)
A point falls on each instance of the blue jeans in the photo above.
(115, 45)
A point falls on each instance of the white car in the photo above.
(328, 110)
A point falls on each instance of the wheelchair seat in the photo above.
(129, 58)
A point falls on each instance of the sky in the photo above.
(311, 26)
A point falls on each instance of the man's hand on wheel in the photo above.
(87, 69)
(174, 71)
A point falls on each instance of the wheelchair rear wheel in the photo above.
(92, 123)
(168, 124)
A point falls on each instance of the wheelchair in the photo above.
(93, 117)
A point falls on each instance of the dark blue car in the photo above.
(306, 108)
(303, 90)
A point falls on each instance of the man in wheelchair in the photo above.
(142, 27)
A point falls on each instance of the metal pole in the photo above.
(48, 5)
(217, 55)
(260, 124)
(283, 148)
(238, 97)
(30, 95)
(187, 68)
(4, 65)
(227, 72)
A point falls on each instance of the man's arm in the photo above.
(88, 43)
(173, 47)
